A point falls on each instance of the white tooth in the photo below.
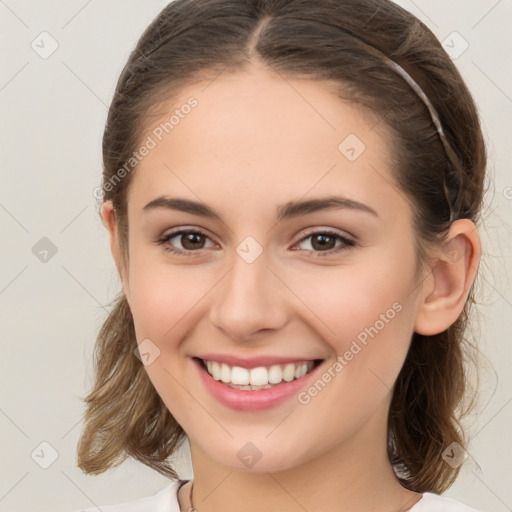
(225, 373)
(239, 375)
(215, 370)
(258, 376)
(275, 375)
(288, 372)
(249, 387)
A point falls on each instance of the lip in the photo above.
(243, 400)
(252, 362)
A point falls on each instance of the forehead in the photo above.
(256, 137)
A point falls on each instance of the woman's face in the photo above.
(269, 278)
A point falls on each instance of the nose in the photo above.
(249, 299)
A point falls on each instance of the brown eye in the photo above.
(325, 242)
(190, 240)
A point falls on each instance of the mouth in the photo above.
(260, 377)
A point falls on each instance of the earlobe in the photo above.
(109, 220)
(445, 293)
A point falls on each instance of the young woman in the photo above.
(292, 191)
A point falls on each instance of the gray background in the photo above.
(53, 112)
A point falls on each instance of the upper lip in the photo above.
(252, 362)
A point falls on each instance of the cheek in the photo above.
(355, 301)
(163, 301)
(162, 295)
(365, 313)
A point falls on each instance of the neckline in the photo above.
(182, 482)
(414, 504)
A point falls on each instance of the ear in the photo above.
(108, 216)
(446, 289)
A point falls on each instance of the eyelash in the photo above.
(347, 243)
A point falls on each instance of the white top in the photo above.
(166, 500)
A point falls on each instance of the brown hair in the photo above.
(333, 41)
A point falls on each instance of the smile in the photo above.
(281, 382)
(260, 377)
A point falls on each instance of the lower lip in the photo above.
(243, 400)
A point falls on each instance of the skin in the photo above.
(256, 141)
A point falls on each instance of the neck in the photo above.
(354, 476)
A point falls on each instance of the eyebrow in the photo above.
(289, 210)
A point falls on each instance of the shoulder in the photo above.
(165, 500)
(435, 503)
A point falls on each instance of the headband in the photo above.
(452, 157)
